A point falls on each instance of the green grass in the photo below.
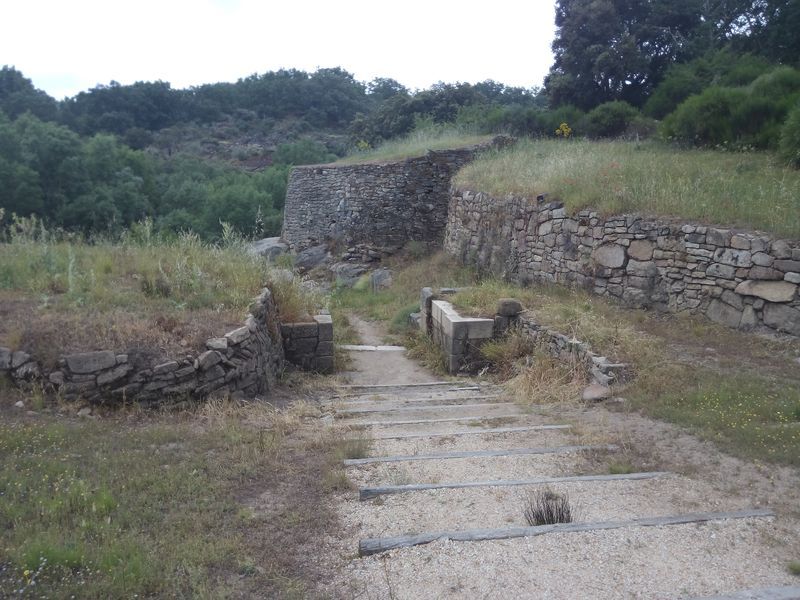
(738, 189)
(794, 568)
(155, 506)
(415, 144)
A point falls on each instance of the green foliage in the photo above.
(749, 116)
(303, 152)
(610, 119)
(790, 138)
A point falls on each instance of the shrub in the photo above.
(546, 507)
(705, 119)
(611, 119)
(790, 138)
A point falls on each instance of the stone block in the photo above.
(305, 330)
(642, 268)
(792, 277)
(480, 328)
(781, 249)
(5, 359)
(722, 313)
(764, 273)
(718, 237)
(237, 336)
(217, 343)
(782, 317)
(740, 242)
(509, 307)
(301, 345)
(721, 271)
(208, 359)
(787, 265)
(91, 362)
(762, 259)
(325, 324)
(167, 367)
(325, 349)
(771, 291)
(641, 250)
(113, 375)
(609, 255)
(56, 378)
(731, 256)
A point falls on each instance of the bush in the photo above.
(546, 507)
(790, 138)
(611, 119)
(705, 119)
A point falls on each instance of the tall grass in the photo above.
(417, 143)
(737, 189)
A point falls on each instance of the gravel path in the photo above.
(681, 561)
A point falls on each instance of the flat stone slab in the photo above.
(448, 420)
(377, 545)
(770, 593)
(472, 454)
(359, 411)
(360, 348)
(493, 430)
(373, 492)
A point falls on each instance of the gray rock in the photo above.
(718, 237)
(772, 291)
(792, 277)
(56, 378)
(19, 404)
(509, 307)
(740, 242)
(311, 257)
(721, 271)
(91, 362)
(762, 259)
(114, 375)
(764, 273)
(19, 358)
(85, 412)
(781, 249)
(28, 371)
(641, 268)
(217, 343)
(347, 274)
(208, 359)
(722, 313)
(5, 359)
(787, 265)
(237, 336)
(380, 279)
(749, 318)
(269, 248)
(730, 256)
(609, 255)
(167, 367)
(641, 250)
(783, 318)
(595, 392)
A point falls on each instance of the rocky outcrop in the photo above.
(368, 211)
(743, 279)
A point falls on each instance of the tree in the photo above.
(18, 96)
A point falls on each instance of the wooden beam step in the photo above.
(369, 546)
(373, 492)
(383, 386)
(472, 454)
(454, 400)
(475, 431)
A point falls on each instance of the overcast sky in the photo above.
(69, 46)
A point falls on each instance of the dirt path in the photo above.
(416, 430)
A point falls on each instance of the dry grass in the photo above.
(547, 507)
(739, 189)
(223, 500)
(416, 144)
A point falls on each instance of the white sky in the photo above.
(66, 46)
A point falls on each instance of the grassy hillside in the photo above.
(746, 189)
(416, 143)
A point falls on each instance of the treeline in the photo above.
(97, 184)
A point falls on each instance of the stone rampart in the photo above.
(246, 360)
(742, 279)
(370, 210)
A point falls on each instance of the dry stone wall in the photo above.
(246, 360)
(742, 279)
(310, 345)
(370, 210)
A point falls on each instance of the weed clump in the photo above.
(546, 507)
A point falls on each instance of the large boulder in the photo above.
(270, 248)
(783, 318)
(380, 279)
(311, 257)
(347, 274)
(722, 313)
(609, 255)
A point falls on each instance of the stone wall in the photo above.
(246, 360)
(310, 345)
(742, 279)
(370, 210)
